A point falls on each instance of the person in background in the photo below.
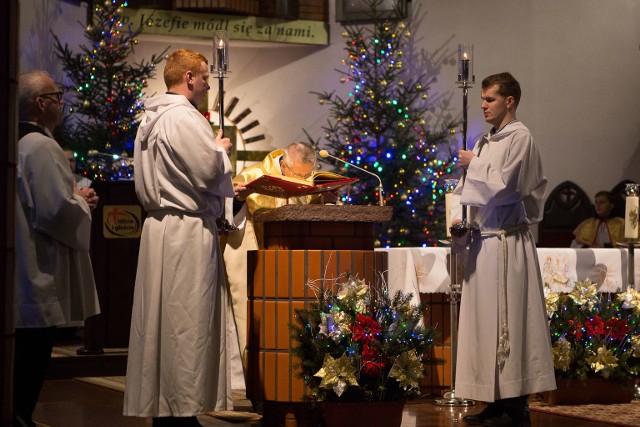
(54, 278)
(504, 347)
(178, 359)
(297, 160)
(80, 180)
(603, 230)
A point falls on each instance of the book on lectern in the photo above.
(286, 186)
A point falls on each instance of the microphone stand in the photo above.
(324, 154)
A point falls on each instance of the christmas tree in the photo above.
(105, 94)
(383, 127)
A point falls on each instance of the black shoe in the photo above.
(20, 422)
(176, 422)
(492, 410)
(507, 420)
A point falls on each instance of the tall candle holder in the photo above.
(466, 79)
(631, 226)
(449, 397)
(220, 68)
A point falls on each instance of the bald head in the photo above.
(39, 100)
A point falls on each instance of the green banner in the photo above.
(190, 24)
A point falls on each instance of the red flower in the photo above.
(365, 329)
(617, 328)
(372, 363)
(576, 331)
(595, 326)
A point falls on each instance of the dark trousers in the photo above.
(32, 356)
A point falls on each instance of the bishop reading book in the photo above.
(286, 186)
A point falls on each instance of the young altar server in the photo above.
(504, 347)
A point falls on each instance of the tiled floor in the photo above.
(70, 403)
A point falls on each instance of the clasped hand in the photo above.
(89, 195)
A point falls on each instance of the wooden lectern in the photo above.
(302, 243)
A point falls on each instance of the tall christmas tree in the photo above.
(383, 126)
(105, 93)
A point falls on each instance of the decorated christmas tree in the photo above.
(385, 125)
(105, 94)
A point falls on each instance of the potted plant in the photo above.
(595, 343)
(356, 343)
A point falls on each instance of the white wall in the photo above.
(578, 62)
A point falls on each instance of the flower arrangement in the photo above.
(357, 344)
(595, 334)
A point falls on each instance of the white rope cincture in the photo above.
(504, 348)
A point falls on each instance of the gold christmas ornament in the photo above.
(343, 79)
(383, 82)
(424, 96)
(345, 34)
(407, 34)
(89, 28)
(401, 25)
(419, 86)
(422, 122)
(321, 101)
(400, 83)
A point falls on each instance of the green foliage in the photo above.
(106, 90)
(386, 125)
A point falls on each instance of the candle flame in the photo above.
(221, 44)
(464, 56)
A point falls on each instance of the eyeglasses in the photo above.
(292, 173)
(58, 95)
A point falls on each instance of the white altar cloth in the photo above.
(426, 270)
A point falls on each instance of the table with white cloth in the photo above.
(424, 272)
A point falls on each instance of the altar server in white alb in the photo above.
(178, 362)
(504, 347)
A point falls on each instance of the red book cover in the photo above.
(285, 187)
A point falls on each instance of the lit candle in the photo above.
(631, 217)
(465, 67)
(221, 53)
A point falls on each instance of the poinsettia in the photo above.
(355, 343)
(595, 334)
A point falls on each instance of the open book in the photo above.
(286, 186)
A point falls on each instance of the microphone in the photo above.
(324, 154)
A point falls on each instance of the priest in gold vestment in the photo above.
(297, 160)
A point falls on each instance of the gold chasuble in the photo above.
(250, 235)
(587, 232)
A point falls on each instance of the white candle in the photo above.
(447, 207)
(631, 217)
